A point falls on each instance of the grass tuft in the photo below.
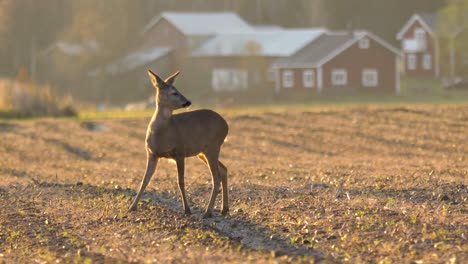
(23, 99)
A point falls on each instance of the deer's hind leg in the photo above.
(211, 158)
(222, 172)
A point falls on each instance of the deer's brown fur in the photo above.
(196, 133)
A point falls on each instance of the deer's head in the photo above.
(166, 94)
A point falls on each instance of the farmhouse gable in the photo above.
(426, 20)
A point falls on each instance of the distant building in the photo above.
(420, 46)
(129, 71)
(240, 61)
(54, 62)
(220, 52)
(182, 32)
(341, 62)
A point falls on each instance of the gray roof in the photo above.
(430, 20)
(266, 27)
(326, 47)
(202, 23)
(133, 60)
(317, 51)
(73, 48)
(269, 42)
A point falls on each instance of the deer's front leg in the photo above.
(180, 170)
(150, 168)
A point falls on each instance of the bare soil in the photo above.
(363, 184)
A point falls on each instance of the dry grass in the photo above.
(381, 184)
(27, 99)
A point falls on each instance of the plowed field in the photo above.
(358, 184)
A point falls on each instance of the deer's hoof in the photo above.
(132, 208)
(207, 215)
(225, 211)
(188, 212)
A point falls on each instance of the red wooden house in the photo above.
(341, 62)
(420, 46)
(183, 32)
(241, 61)
(221, 52)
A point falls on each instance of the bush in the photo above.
(27, 99)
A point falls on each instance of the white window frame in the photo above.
(339, 77)
(287, 79)
(364, 43)
(308, 78)
(411, 61)
(420, 34)
(370, 78)
(427, 61)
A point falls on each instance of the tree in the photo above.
(26, 27)
(453, 31)
(381, 17)
(106, 31)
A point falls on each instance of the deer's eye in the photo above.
(175, 93)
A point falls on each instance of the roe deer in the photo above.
(197, 133)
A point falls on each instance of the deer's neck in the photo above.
(161, 116)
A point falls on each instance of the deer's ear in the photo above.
(171, 79)
(156, 80)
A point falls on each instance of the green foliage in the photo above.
(453, 18)
(453, 32)
(382, 17)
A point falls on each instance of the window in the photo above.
(411, 61)
(308, 78)
(427, 61)
(229, 79)
(370, 78)
(339, 77)
(420, 36)
(364, 43)
(288, 79)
